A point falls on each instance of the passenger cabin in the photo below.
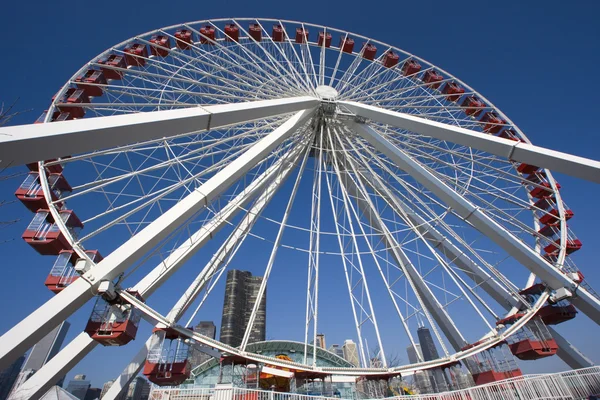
(73, 96)
(30, 192)
(136, 54)
(324, 38)
(113, 61)
(91, 82)
(453, 91)
(255, 32)
(114, 323)
(347, 44)
(53, 168)
(533, 341)
(167, 362)
(492, 123)
(207, 34)
(391, 59)
(432, 79)
(472, 106)
(572, 246)
(278, 35)
(161, 45)
(232, 33)
(184, 39)
(410, 67)
(369, 51)
(554, 314)
(553, 217)
(44, 235)
(63, 272)
(510, 134)
(527, 169)
(544, 189)
(301, 35)
(494, 364)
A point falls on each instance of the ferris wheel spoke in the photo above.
(470, 213)
(349, 212)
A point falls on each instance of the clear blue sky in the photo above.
(535, 60)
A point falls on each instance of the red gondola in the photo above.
(545, 202)
(543, 190)
(167, 361)
(63, 272)
(255, 32)
(472, 106)
(184, 39)
(432, 79)
(207, 34)
(572, 246)
(277, 34)
(347, 45)
(527, 168)
(301, 35)
(510, 135)
(114, 323)
(491, 365)
(89, 80)
(136, 54)
(44, 236)
(492, 123)
(391, 59)
(74, 96)
(533, 341)
(453, 90)
(410, 67)
(30, 192)
(369, 51)
(161, 45)
(116, 62)
(232, 33)
(324, 37)
(53, 169)
(554, 314)
(553, 217)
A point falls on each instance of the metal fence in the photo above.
(570, 385)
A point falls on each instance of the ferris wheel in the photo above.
(392, 180)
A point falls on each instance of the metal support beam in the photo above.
(25, 334)
(472, 214)
(579, 167)
(30, 143)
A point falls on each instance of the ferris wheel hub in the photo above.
(327, 93)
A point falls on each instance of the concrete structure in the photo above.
(337, 350)
(79, 387)
(350, 352)
(208, 329)
(321, 340)
(8, 377)
(241, 290)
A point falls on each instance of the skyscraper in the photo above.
(8, 377)
(241, 291)
(205, 328)
(438, 380)
(137, 388)
(321, 340)
(79, 386)
(413, 352)
(337, 350)
(47, 348)
(106, 387)
(350, 352)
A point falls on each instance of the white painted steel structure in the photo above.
(417, 202)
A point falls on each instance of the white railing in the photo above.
(570, 385)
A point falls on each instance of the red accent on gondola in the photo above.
(114, 323)
(207, 34)
(492, 123)
(255, 32)
(114, 61)
(166, 363)
(301, 35)
(324, 37)
(545, 202)
(534, 349)
(136, 54)
(391, 59)
(277, 34)
(369, 51)
(511, 135)
(90, 77)
(410, 67)
(347, 45)
(543, 190)
(161, 45)
(554, 314)
(453, 90)
(184, 39)
(63, 272)
(232, 33)
(74, 96)
(553, 217)
(472, 106)
(30, 192)
(527, 168)
(572, 246)
(432, 79)
(43, 234)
